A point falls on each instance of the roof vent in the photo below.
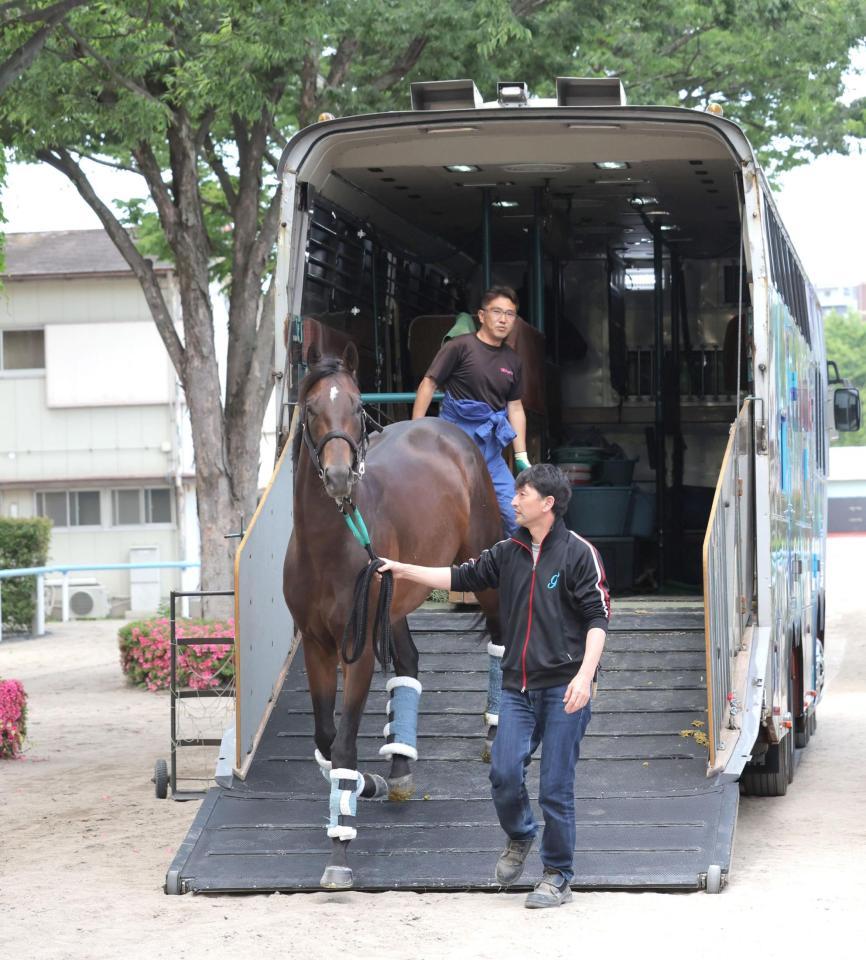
(512, 93)
(589, 92)
(445, 95)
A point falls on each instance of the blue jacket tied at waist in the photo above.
(489, 428)
(491, 431)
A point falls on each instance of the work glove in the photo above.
(521, 462)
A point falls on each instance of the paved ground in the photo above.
(84, 845)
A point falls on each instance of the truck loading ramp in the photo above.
(647, 815)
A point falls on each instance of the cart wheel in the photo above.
(160, 779)
(714, 878)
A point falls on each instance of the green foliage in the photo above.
(23, 543)
(2, 217)
(116, 75)
(845, 337)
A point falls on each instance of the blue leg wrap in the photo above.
(494, 684)
(346, 786)
(401, 729)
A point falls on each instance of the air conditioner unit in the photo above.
(90, 601)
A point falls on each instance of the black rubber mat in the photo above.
(647, 816)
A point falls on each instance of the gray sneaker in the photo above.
(550, 891)
(509, 866)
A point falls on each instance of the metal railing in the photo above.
(729, 578)
(64, 570)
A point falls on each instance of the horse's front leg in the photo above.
(321, 663)
(347, 782)
(404, 692)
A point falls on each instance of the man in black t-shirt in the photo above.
(481, 376)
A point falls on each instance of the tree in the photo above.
(198, 98)
(17, 17)
(845, 336)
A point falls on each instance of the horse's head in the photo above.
(333, 423)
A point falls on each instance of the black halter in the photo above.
(358, 447)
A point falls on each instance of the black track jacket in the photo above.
(546, 610)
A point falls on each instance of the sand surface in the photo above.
(85, 845)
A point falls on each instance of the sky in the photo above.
(823, 204)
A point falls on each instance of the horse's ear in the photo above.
(350, 357)
(314, 355)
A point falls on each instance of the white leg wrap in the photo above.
(403, 749)
(494, 683)
(324, 766)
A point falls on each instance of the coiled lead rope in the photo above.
(356, 627)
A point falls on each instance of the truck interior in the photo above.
(623, 241)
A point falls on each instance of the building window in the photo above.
(70, 508)
(22, 350)
(135, 507)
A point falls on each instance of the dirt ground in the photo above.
(84, 844)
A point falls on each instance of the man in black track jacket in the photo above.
(555, 609)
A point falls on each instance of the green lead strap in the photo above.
(358, 528)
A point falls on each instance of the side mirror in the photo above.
(833, 373)
(846, 409)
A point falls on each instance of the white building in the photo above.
(843, 300)
(94, 429)
(847, 490)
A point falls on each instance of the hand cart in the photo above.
(165, 774)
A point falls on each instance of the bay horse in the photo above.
(425, 494)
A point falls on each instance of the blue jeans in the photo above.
(525, 720)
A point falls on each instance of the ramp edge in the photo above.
(175, 885)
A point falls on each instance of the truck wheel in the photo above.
(771, 778)
(803, 731)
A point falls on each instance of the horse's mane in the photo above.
(326, 367)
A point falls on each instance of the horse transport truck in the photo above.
(674, 365)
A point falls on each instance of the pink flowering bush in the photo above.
(145, 654)
(13, 719)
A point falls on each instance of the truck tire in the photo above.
(803, 731)
(771, 778)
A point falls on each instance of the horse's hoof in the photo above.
(375, 787)
(337, 878)
(401, 788)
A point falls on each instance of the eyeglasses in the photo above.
(498, 313)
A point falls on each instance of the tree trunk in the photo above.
(226, 445)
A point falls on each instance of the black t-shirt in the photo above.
(470, 369)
